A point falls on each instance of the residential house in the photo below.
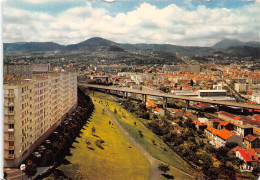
(249, 157)
(159, 111)
(214, 123)
(251, 141)
(244, 130)
(255, 124)
(220, 138)
(225, 136)
(225, 125)
(200, 125)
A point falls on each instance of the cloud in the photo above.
(145, 24)
(44, 1)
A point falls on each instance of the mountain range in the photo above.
(229, 46)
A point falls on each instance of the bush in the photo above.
(99, 143)
(164, 168)
(140, 133)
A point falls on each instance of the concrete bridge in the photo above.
(125, 92)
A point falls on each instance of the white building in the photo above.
(256, 98)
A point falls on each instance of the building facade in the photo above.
(19, 70)
(33, 108)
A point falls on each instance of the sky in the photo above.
(179, 22)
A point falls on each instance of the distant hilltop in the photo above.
(225, 43)
(225, 46)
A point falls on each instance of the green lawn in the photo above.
(118, 160)
(126, 119)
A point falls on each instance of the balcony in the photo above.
(9, 138)
(9, 113)
(9, 148)
(9, 104)
(10, 130)
(9, 156)
(10, 95)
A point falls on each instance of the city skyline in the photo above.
(188, 23)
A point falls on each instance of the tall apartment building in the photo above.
(19, 70)
(33, 108)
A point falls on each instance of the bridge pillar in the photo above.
(187, 105)
(144, 98)
(218, 106)
(126, 95)
(164, 102)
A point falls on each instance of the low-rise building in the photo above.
(256, 98)
(251, 141)
(225, 125)
(230, 117)
(159, 111)
(244, 130)
(249, 157)
(220, 138)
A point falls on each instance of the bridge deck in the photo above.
(225, 103)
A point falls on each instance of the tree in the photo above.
(48, 157)
(31, 170)
(115, 111)
(191, 82)
(164, 168)
(93, 130)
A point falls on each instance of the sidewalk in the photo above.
(16, 174)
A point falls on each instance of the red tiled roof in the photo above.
(157, 109)
(257, 150)
(236, 149)
(188, 114)
(224, 134)
(229, 115)
(177, 110)
(253, 122)
(214, 120)
(199, 123)
(224, 123)
(248, 155)
(203, 105)
(257, 117)
(250, 137)
(212, 130)
(215, 160)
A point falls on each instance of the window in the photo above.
(11, 109)
(11, 135)
(11, 126)
(11, 151)
(11, 143)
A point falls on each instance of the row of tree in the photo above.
(66, 134)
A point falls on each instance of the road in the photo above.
(186, 98)
(154, 171)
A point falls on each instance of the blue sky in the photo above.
(181, 22)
